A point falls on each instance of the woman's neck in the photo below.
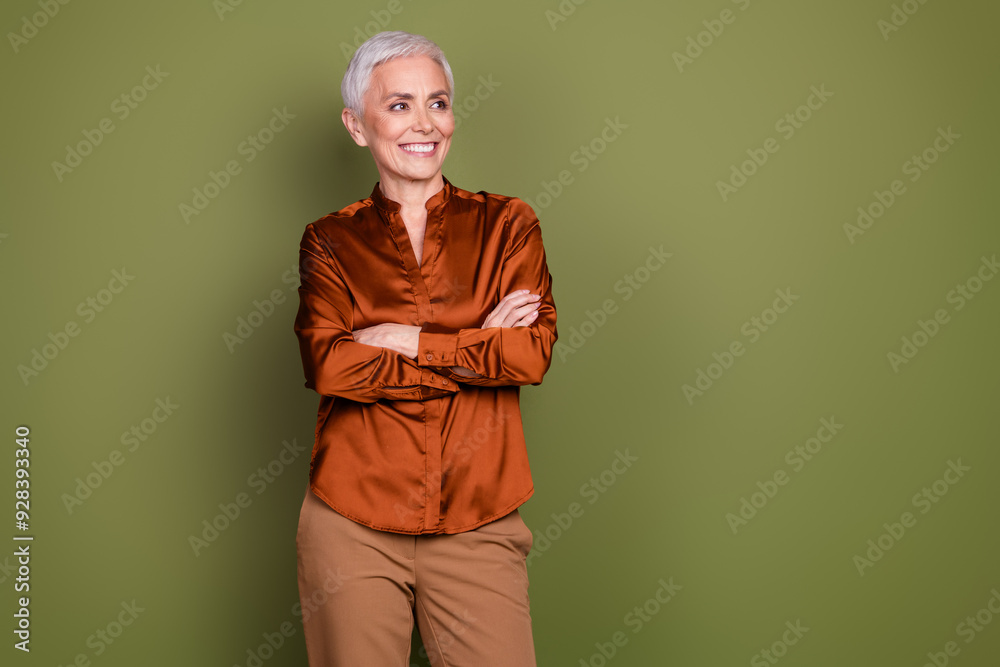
(411, 195)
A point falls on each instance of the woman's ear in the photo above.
(354, 127)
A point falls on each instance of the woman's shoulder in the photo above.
(492, 201)
(350, 216)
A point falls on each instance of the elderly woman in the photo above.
(423, 309)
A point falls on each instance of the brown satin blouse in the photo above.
(406, 445)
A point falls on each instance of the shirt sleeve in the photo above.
(503, 355)
(334, 363)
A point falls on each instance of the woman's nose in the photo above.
(422, 120)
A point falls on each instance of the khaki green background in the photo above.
(614, 389)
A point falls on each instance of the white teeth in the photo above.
(418, 148)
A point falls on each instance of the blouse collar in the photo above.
(437, 199)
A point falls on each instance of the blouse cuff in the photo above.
(437, 346)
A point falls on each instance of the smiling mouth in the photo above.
(419, 148)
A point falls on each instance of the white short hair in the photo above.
(379, 49)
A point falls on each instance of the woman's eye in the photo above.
(398, 106)
(441, 104)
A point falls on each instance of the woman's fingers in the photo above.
(522, 316)
(515, 309)
(506, 313)
(402, 338)
(527, 319)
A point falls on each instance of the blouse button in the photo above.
(445, 381)
(429, 356)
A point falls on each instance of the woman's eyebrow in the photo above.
(409, 96)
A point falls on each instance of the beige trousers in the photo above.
(361, 589)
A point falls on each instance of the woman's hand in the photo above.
(402, 338)
(517, 309)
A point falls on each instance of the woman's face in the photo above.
(408, 121)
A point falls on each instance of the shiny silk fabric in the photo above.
(406, 445)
